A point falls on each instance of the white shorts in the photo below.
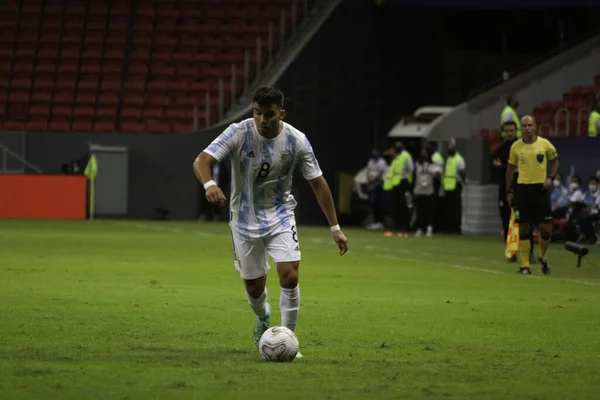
(251, 257)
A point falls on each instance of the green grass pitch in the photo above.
(155, 310)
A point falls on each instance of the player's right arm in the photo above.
(220, 148)
(202, 169)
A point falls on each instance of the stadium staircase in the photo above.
(134, 66)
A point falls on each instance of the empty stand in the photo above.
(107, 66)
(568, 117)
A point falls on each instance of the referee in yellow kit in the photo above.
(531, 198)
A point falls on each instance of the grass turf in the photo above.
(149, 310)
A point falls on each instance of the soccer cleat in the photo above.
(524, 271)
(261, 325)
(545, 266)
(532, 259)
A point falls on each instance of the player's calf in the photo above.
(256, 293)
(289, 301)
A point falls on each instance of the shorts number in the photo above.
(294, 234)
(264, 170)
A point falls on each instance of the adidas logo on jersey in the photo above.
(250, 154)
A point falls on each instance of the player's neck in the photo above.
(531, 141)
(276, 133)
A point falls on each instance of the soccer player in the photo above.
(263, 152)
(531, 155)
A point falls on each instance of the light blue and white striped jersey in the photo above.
(261, 202)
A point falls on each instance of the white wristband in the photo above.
(209, 184)
(335, 228)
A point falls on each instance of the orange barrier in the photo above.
(43, 196)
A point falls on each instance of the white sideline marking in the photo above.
(491, 271)
(374, 248)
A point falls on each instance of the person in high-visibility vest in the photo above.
(396, 185)
(594, 121)
(509, 113)
(455, 174)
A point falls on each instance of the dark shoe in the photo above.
(524, 271)
(545, 266)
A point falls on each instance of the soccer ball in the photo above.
(279, 344)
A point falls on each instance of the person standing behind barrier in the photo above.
(509, 113)
(594, 121)
(499, 162)
(436, 157)
(376, 171)
(455, 175)
(424, 191)
(397, 185)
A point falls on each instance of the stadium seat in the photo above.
(61, 63)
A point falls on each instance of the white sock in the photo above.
(289, 304)
(259, 305)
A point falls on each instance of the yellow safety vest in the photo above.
(593, 124)
(450, 172)
(437, 158)
(515, 118)
(394, 173)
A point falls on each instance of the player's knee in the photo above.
(524, 231)
(255, 287)
(288, 274)
(546, 231)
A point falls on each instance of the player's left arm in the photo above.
(323, 193)
(552, 156)
(313, 174)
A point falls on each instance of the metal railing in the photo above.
(247, 80)
(554, 130)
(8, 152)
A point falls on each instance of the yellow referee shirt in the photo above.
(532, 160)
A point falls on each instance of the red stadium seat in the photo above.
(65, 59)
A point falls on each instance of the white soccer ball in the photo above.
(279, 344)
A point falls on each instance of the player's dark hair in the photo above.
(266, 96)
(507, 123)
(577, 178)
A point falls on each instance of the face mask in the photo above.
(593, 188)
(556, 183)
(573, 186)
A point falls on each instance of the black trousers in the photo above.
(505, 216)
(397, 209)
(425, 211)
(377, 200)
(453, 210)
